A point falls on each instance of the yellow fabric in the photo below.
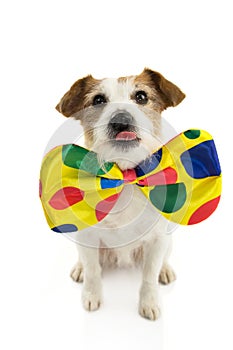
(74, 198)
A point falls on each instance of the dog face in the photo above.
(121, 117)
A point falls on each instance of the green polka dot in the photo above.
(192, 134)
(78, 157)
(168, 198)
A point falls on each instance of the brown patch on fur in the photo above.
(74, 100)
(167, 93)
(138, 255)
(88, 118)
(108, 258)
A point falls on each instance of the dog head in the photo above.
(121, 117)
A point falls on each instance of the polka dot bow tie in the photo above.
(182, 180)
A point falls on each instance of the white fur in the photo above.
(132, 157)
(118, 93)
(133, 222)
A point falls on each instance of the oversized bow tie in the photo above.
(182, 180)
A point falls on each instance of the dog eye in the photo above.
(99, 100)
(141, 97)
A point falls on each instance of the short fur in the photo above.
(153, 248)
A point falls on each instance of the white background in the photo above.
(45, 47)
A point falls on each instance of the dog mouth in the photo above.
(126, 136)
(126, 139)
(122, 130)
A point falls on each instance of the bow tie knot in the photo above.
(129, 176)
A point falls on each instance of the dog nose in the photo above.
(121, 121)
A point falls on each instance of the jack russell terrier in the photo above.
(121, 119)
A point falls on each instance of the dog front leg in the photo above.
(154, 252)
(92, 288)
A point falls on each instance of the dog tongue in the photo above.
(126, 136)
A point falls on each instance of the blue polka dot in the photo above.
(109, 183)
(201, 161)
(65, 228)
(149, 164)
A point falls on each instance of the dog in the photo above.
(121, 119)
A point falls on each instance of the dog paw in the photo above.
(167, 275)
(91, 301)
(150, 311)
(148, 306)
(77, 273)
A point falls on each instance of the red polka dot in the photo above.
(66, 197)
(204, 211)
(164, 177)
(105, 206)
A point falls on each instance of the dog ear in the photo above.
(73, 100)
(170, 94)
